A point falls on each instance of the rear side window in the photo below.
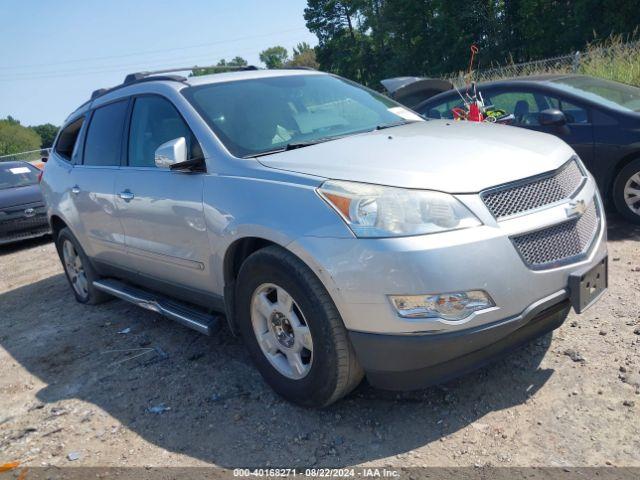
(155, 121)
(104, 137)
(68, 139)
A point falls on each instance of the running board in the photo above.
(171, 309)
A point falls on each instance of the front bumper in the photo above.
(23, 222)
(407, 362)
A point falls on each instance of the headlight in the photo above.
(448, 306)
(378, 211)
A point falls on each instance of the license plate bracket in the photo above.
(586, 286)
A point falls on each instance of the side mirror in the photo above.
(171, 152)
(552, 116)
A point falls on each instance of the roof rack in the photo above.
(147, 76)
(301, 67)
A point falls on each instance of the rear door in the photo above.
(92, 184)
(161, 210)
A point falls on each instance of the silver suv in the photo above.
(338, 233)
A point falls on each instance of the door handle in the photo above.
(127, 196)
(75, 190)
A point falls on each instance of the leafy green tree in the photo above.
(47, 132)
(367, 40)
(14, 138)
(303, 56)
(274, 57)
(222, 66)
(343, 45)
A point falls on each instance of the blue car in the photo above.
(600, 119)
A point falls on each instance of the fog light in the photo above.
(448, 306)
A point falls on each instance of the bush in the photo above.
(15, 138)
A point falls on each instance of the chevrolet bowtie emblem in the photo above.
(576, 208)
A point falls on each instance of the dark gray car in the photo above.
(599, 118)
(22, 211)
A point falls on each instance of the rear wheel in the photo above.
(293, 330)
(78, 269)
(626, 191)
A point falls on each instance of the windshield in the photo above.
(605, 92)
(17, 175)
(259, 116)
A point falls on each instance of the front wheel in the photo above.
(626, 191)
(293, 330)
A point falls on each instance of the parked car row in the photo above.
(598, 118)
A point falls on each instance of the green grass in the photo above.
(618, 60)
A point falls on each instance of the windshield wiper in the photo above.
(295, 145)
(308, 143)
(390, 125)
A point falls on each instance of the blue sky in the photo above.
(53, 54)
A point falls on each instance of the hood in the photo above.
(10, 197)
(411, 91)
(454, 157)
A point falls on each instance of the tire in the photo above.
(84, 291)
(625, 198)
(331, 370)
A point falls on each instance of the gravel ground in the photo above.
(115, 385)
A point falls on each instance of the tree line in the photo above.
(368, 40)
(302, 55)
(16, 138)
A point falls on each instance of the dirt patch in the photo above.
(75, 391)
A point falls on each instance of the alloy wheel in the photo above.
(74, 268)
(632, 193)
(281, 331)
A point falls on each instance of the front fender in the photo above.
(273, 210)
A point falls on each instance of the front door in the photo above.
(578, 131)
(526, 105)
(161, 210)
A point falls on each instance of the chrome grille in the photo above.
(535, 192)
(560, 243)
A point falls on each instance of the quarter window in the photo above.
(104, 138)
(67, 142)
(155, 121)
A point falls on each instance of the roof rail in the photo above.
(147, 76)
(138, 76)
(300, 67)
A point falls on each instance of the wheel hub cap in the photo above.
(632, 193)
(281, 331)
(74, 268)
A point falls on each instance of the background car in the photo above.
(22, 211)
(600, 119)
